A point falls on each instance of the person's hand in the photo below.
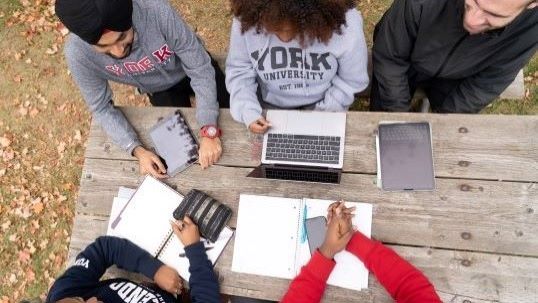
(186, 231)
(339, 230)
(338, 207)
(209, 152)
(168, 279)
(259, 126)
(149, 163)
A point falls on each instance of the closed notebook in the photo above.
(271, 239)
(404, 156)
(209, 214)
(144, 219)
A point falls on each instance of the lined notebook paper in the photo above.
(143, 217)
(271, 241)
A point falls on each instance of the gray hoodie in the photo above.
(324, 75)
(164, 51)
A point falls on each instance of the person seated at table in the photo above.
(463, 53)
(81, 282)
(294, 55)
(145, 44)
(403, 282)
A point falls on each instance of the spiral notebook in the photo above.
(271, 239)
(175, 143)
(144, 219)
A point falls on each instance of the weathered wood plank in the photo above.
(465, 146)
(457, 275)
(488, 216)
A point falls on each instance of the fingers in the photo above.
(160, 165)
(204, 162)
(188, 220)
(154, 172)
(260, 126)
(153, 166)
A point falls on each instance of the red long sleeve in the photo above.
(402, 280)
(310, 284)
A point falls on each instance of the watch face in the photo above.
(211, 131)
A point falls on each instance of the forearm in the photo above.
(309, 285)
(340, 95)
(203, 282)
(202, 76)
(93, 261)
(117, 127)
(402, 280)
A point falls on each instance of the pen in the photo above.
(183, 255)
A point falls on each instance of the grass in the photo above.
(46, 122)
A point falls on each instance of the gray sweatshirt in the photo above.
(288, 76)
(164, 51)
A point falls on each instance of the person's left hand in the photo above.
(339, 230)
(168, 279)
(209, 152)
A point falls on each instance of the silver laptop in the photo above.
(305, 138)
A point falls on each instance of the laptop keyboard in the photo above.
(406, 132)
(299, 175)
(301, 148)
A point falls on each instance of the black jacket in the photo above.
(83, 278)
(428, 37)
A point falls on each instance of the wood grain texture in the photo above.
(457, 275)
(487, 216)
(475, 237)
(489, 147)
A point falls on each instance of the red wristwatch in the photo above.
(210, 131)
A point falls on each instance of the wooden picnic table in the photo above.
(475, 236)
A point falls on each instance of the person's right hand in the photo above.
(186, 231)
(259, 126)
(168, 279)
(339, 230)
(150, 163)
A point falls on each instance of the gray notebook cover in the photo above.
(174, 143)
(405, 156)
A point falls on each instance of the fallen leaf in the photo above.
(23, 111)
(30, 275)
(13, 279)
(38, 208)
(5, 142)
(78, 135)
(61, 147)
(34, 112)
(6, 225)
(24, 256)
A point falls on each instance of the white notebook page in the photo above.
(266, 235)
(171, 253)
(349, 271)
(146, 219)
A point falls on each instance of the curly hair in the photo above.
(311, 19)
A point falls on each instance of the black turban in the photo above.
(88, 19)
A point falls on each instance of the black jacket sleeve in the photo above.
(474, 93)
(92, 263)
(204, 286)
(394, 40)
